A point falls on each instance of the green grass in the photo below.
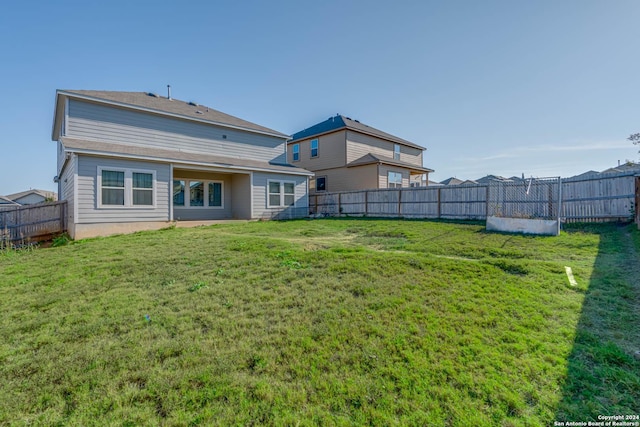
(323, 322)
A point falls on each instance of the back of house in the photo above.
(131, 161)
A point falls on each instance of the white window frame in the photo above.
(128, 188)
(187, 196)
(317, 141)
(389, 179)
(396, 151)
(282, 193)
(295, 153)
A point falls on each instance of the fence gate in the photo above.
(525, 206)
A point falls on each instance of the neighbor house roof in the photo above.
(377, 159)
(161, 105)
(7, 201)
(339, 122)
(451, 181)
(176, 156)
(44, 193)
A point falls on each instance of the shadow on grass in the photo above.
(603, 376)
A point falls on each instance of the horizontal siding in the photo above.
(348, 179)
(359, 145)
(66, 187)
(260, 209)
(87, 192)
(384, 175)
(111, 124)
(331, 152)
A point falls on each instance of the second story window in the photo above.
(396, 151)
(314, 148)
(295, 151)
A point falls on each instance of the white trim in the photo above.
(180, 162)
(166, 113)
(128, 188)
(282, 193)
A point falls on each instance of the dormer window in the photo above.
(314, 148)
(396, 151)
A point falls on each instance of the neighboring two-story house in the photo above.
(131, 161)
(348, 155)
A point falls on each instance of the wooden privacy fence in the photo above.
(607, 197)
(34, 222)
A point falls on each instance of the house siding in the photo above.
(118, 125)
(87, 209)
(383, 177)
(347, 179)
(331, 152)
(359, 145)
(260, 209)
(66, 182)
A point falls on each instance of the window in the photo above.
(215, 194)
(281, 193)
(202, 194)
(321, 183)
(394, 179)
(314, 148)
(112, 188)
(142, 189)
(178, 192)
(126, 187)
(196, 193)
(296, 152)
(396, 151)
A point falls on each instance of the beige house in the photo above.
(348, 155)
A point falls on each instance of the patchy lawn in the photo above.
(338, 322)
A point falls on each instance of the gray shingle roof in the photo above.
(7, 201)
(44, 193)
(341, 122)
(372, 159)
(104, 148)
(173, 106)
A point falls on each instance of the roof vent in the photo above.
(153, 94)
(199, 112)
(193, 103)
(357, 121)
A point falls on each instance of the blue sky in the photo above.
(543, 88)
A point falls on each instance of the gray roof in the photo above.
(159, 104)
(7, 201)
(339, 122)
(369, 159)
(451, 181)
(162, 155)
(44, 193)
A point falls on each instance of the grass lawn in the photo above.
(322, 322)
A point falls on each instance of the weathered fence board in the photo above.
(31, 223)
(604, 197)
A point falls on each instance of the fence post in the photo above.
(339, 204)
(366, 202)
(438, 212)
(400, 203)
